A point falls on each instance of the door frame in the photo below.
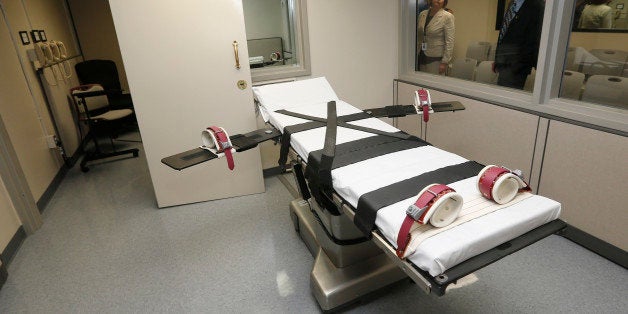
(15, 182)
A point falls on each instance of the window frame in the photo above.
(544, 100)
(302, 43)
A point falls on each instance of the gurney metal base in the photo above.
(333, 287)
(304, 223)
(311, 231)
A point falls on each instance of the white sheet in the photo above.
(440, 252)
(293, 94)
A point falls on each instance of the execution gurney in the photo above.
(350, 221)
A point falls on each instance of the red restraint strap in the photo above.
(223, 145)
(490, 176)
(425, 104)
(488, 179)
(423, 202)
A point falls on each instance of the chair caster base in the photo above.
(98, 155)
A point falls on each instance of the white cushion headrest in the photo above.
(293, 94)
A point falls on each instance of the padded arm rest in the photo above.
(447, 106)
(392, 111)
(188, 158)
(406, 110)
(93, 93)
(83, 91)
(250, 140)
(241, 142)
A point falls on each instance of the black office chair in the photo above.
(104, 73)
(92, 107)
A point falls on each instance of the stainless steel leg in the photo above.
(333, 287)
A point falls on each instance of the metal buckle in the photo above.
(415, 212)
(516, 172)
(225, 145)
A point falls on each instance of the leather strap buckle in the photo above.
(217, 140)
(423, 103)
(501, 184)
(225, 145)
(436, 200)
(415, 212)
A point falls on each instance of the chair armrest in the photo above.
(82, 91)
(91, 94)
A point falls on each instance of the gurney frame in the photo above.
(338, 280)
(379, 271)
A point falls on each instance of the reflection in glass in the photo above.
(600, 16)
(596, 64)
(595, 74)
(270, 32)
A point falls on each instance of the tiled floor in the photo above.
(105, 247)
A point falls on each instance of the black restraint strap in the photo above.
(347, 125)
(350, 153)
(371, 202)
(355, 151)
(329, 149)
(285, 139)
(291, 129)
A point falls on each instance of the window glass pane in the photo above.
(596, 67)
(277, 38)
(469, 40)
(269, 32)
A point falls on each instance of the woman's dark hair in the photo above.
(599, 1)
(444, 3)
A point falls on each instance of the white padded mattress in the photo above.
(437, 253)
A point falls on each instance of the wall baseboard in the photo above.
(9, 252)
(3, 275)
(52, 188)
(595, 245)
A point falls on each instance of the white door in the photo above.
(180, 65)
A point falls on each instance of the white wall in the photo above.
(354, 44)
(263, 18)
(95, 30)
(52, 17)
(22, 105)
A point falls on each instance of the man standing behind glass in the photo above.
(518, 42)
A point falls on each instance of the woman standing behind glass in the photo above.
(597, 14)
(435, 41)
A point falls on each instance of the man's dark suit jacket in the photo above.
(519, 47)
